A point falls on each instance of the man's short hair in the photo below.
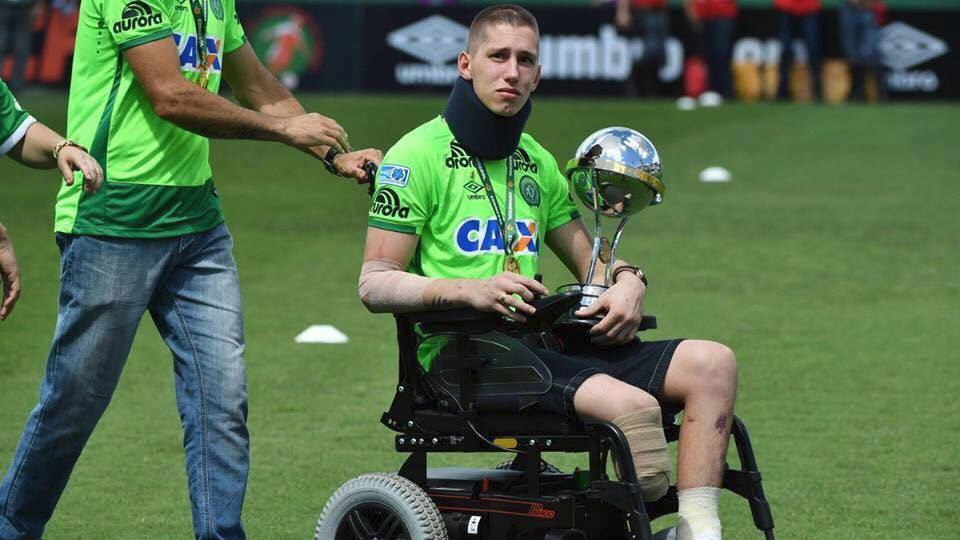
(500, 14)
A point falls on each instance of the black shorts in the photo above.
(642, 364)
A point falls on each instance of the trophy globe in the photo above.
(615, 173)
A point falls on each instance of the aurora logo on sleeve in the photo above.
(386, 203)
(136, 14)
(476, 237)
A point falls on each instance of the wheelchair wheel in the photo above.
(544, 467)
(382, 506)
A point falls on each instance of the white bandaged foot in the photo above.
(698, 517)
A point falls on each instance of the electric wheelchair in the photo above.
(472, 400)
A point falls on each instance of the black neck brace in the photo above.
(481, 132)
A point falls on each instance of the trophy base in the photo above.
(574, 331)
(570, 321)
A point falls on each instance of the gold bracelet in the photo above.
(63, 144)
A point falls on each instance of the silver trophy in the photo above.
(616, 173)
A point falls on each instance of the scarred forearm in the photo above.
(386, 288)
(443, 294)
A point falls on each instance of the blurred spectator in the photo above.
(17, 15)
(647, 18)
(860, 35)
(806, 15)
(716, 21)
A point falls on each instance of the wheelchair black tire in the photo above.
(388, 493)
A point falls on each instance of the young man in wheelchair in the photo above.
(446, 232)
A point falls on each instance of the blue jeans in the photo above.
(190, 286)
(717, 47)
(810, 28)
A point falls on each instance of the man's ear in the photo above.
(463, 65)
(536, 80)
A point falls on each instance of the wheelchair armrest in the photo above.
(469, 321)
(458, 321)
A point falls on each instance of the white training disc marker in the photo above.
(710, 99)
(321, 333)
(715, 174)
(686, 103)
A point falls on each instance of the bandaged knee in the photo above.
(648, 445)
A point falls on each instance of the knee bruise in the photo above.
(643, 429)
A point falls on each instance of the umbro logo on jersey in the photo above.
(522, 161)
(136, 14)
(458, 157)
(475, 189)
(386, 203)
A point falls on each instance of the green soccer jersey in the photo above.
(428, 186)
(14, 121)
(158, 181)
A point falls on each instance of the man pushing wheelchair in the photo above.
(463, 206)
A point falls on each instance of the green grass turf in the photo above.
(830, 264)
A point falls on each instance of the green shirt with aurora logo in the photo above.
(428, 186)
(158, 181)
(14, 121)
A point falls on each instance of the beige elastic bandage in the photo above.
(385, 287)
(644, 432)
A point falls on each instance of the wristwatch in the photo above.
(631, 269)
(328, 161)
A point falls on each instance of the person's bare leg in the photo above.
(605, 398)
(702, 376)
(638, 416)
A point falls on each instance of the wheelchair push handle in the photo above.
(371, 170)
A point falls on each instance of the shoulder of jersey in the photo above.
(425, 138)
(533, 147)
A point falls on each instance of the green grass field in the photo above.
(830, 264)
